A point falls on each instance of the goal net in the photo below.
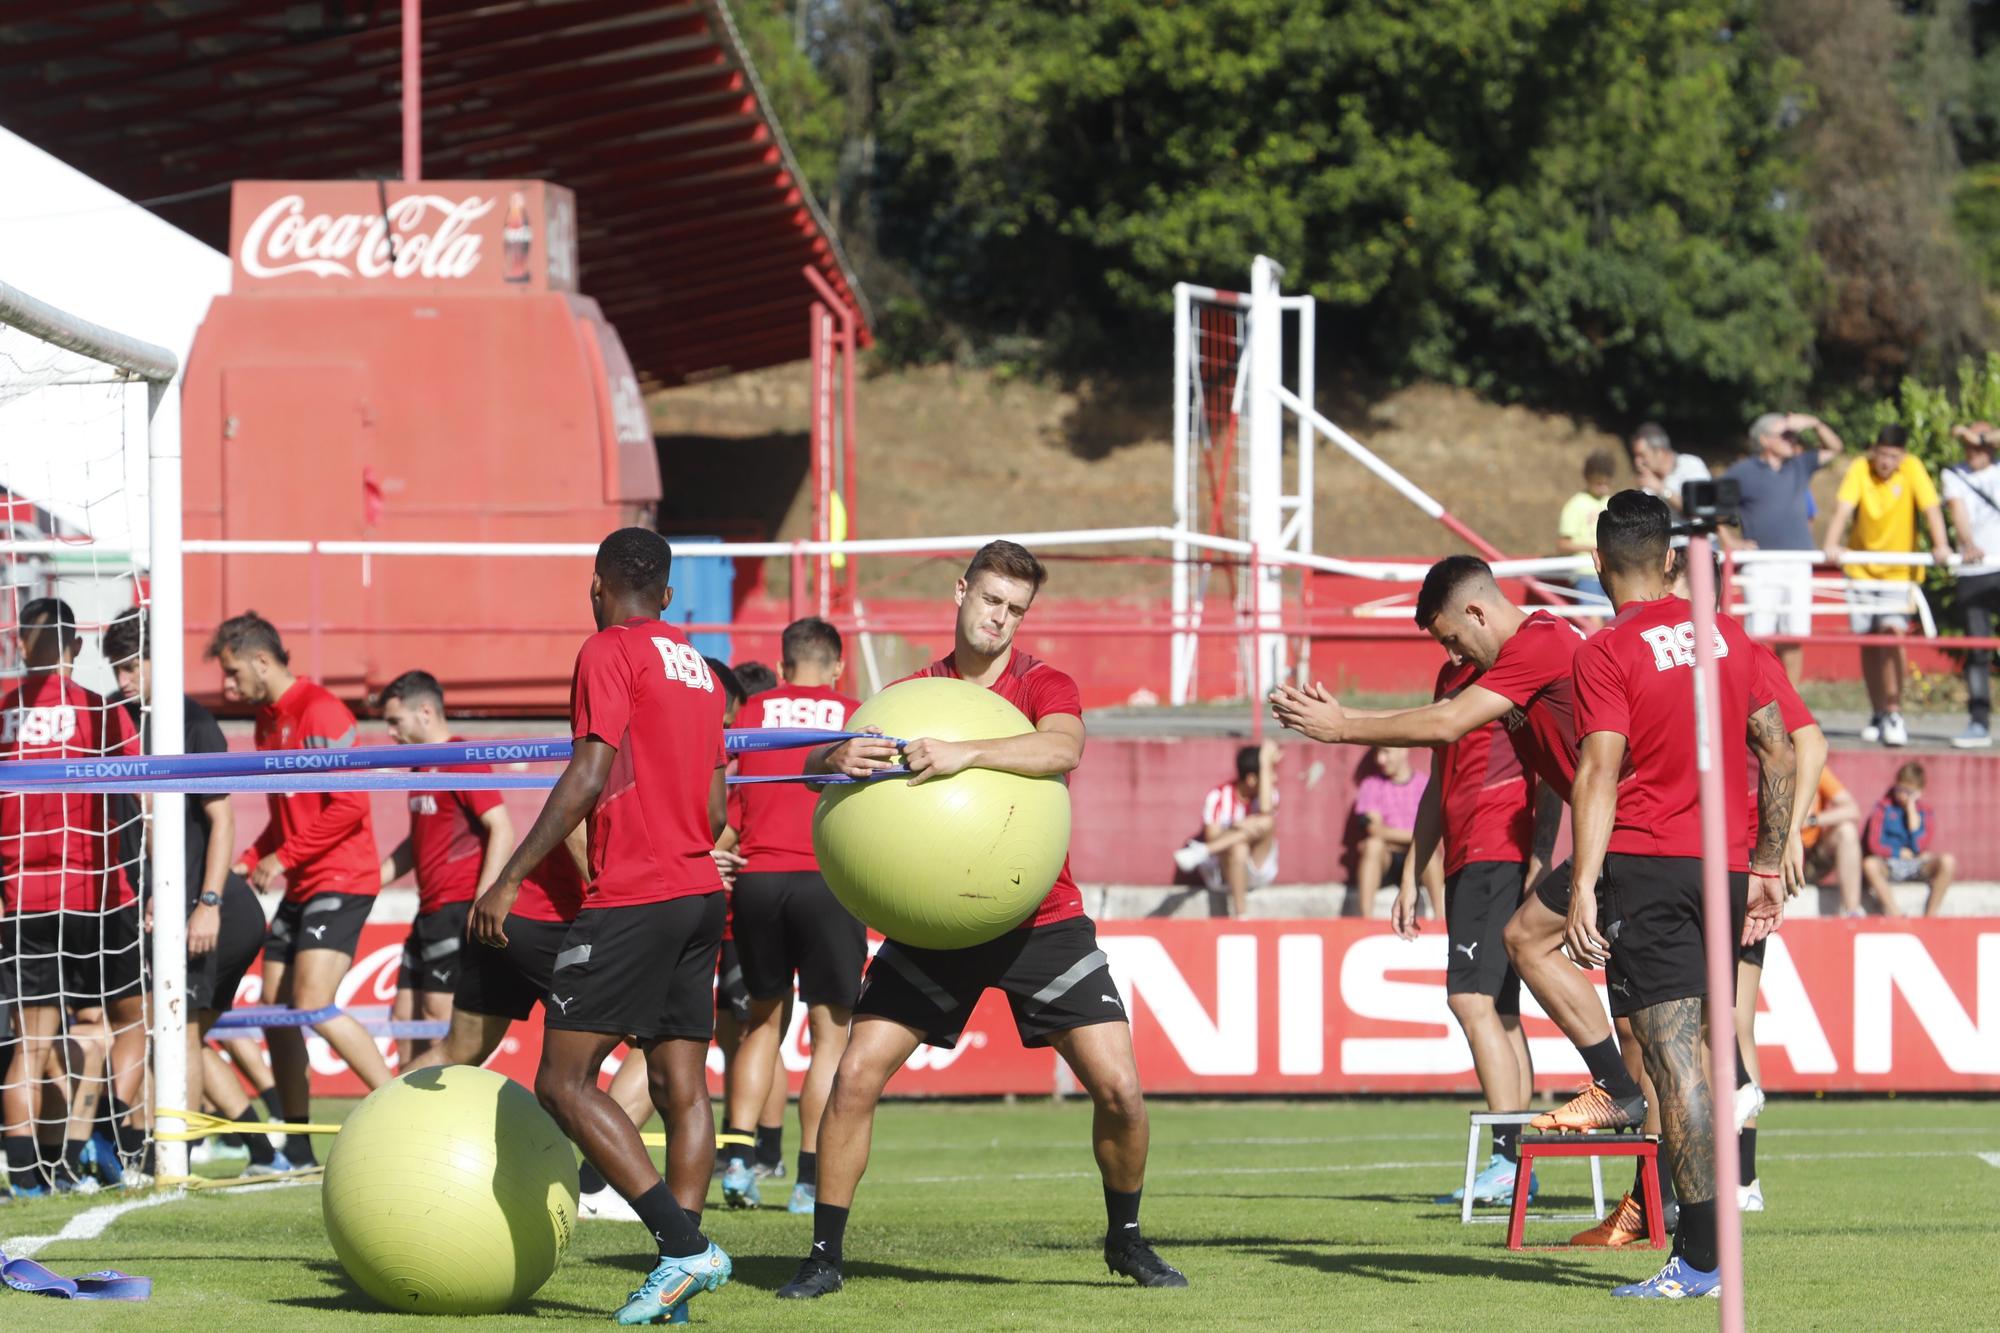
(76, 1075)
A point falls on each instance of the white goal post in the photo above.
(107, 357)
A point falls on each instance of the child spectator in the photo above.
(1901, 833)
(1576, 527)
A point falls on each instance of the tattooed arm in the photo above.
(1548, 823)
(1777, 789)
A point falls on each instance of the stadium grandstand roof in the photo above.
(693, 221)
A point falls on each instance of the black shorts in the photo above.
(1664, 894)
(212, 977)
(76, 960)
(510, 982)
(324, 921)
(1055, 978)
(434, 949)
(730, 992)
(1392, 874)
(1479, 900)
(646, 971)
(791, 922)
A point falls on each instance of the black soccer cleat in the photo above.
(817, 1277)
(1135, 1259)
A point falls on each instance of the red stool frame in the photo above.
(1645, 1147)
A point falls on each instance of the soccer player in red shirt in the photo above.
(69, 919)
(457, 843)
(1056, 979)
(322, 845)
(787, 921)
(1637, 808)
(1478, 808)
(638, 962)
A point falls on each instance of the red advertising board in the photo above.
(1301, 1008)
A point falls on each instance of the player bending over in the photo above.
(638, 961)
(457, 843)
(322, 844)
(1056, 979)
(788, 923)
(1636, 892)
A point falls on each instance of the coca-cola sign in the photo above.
(443, 236)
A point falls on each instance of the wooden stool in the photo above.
(1645, 1147)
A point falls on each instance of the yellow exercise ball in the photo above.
(954, 861)
(450, 1191)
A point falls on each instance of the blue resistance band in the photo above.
(31, 1278)
(365, 780)
(128, 773)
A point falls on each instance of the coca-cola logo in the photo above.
(432, 238)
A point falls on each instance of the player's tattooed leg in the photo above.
(1677, 1058)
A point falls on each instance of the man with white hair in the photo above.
(1660, 469)
(1776, 480)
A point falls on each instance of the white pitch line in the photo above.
(1990, 1158)
(86, 1225)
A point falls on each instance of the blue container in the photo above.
(704, 594)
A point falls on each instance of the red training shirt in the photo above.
(1487, 814)
(57, 849)
(552, 891)
(1773, 682)
(324, 839)
(773, 820)
(642, 688)
(1038, 690)
(1533, 673)
(448, 839)
(1635, 677)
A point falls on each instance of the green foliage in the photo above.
(1928, 411)
(797, 92)
(1583, 200)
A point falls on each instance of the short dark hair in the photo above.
(635, 560)
(1446, 579)
(755, 677)
(128, 639)
(52, 612)
(1635, 532)
(1599, 464)
(411, 687)
(1249, 759)
(1654, 434)
(1010, 560)
(248, 633)
(811, 640)
(1895, 435)
(1911, 774)
(731, 686)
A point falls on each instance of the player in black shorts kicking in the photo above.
(1056, 979)
(638, 962)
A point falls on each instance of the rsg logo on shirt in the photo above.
(38, 726)
(824, 714)
(423, 804)
(684, 664)
(1673, 645)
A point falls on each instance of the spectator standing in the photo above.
(1877, 508)
(1776, 482)
(1902, 832)
(1238, 847)
(1972, 491)
(1386, 802)
(1660, 469)
(1831, 836)
(1576, 526)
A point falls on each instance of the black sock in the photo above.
(808, 1168)
(1607, 1066)
(73, 1157)
(829, 1228)
(1506, 1143)
(1746, 1150)
(588, 1179)
(237, 1140)
(1742, 1070)
(20, 1150)
(1694, 1239)
(299, 1150)
(770, 1145)
(1121, 1214)
(261, 1151)
(672, 1225)
(273, 1104)
(131, 1138)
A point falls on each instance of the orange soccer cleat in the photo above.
(1623, 1225)
(1592, 1109)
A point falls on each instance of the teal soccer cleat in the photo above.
(804, 1198)
(662, 1298)
(1493, 1185)
(739, 1186)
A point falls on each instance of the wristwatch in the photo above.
(209, 898)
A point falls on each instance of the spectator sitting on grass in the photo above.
(1901, 833)
(1386, 802)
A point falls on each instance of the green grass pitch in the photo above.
(1283, 1215)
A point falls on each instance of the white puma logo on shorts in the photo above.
(440, 974)
(317, 932)
(1467, 949)
(562, 1002)
(1110, 999)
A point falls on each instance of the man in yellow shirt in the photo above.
(1880, 498)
